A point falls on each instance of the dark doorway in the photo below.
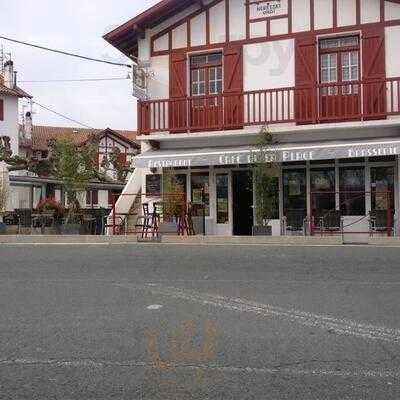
(242, 182)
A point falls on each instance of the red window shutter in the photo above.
(95, 197)
(110, 197)
(1, 110)
(233, 87)
(178, 92)
(374, 72)
(306, 79)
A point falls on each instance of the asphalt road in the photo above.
(167, 322)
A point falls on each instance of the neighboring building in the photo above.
(10, 94)
(31, 141)
(34, 142)
(322, 75)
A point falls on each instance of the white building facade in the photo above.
(322, 76)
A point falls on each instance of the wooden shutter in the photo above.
(306, 79)
(95, 197)
(233, 87)
(1, 110)
(178, 92)
(374, 72)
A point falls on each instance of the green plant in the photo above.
(4, 195)
(73, 165)
(266, 175)
(173, 194)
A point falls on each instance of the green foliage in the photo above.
(173, 193)
(4, 195)
(74, 166)
(266, 173)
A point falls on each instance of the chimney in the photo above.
(28, 125)
(9, 75)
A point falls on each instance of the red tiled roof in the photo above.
(125, 37)
(42, 134)
(18, 92)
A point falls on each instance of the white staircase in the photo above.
(128, 198)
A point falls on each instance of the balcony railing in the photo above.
(333, 102)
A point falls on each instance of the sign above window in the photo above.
(268, 8)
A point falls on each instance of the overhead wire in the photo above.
(65, 52)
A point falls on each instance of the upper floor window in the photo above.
(339, 63)
(206, 74)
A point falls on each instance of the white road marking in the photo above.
(326, 322)
(293, 371)
(155, 307)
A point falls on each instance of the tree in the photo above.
(266, 172)
(74, 167)
(4, 193)
(173, 194)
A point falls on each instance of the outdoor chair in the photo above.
(44, 219)
(144, 222)
(295, 222)
(329, 221)
(378, 221)
(24, 218)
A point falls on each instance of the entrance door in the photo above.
(242, 196)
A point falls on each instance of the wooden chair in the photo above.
(145, 221)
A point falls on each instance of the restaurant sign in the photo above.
(267, 9)
(251, 155)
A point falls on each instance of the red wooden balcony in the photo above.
(351, 101)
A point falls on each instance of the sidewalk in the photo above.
(196, 240)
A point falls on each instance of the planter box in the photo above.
(262, 230)
(72, 229)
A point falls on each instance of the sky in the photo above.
(76, 26)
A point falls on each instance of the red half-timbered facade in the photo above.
(318, 74)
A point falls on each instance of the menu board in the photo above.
(153, 184)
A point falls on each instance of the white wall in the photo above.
(159, 84)
(392, 11)
(269, 65)
(9, 127)
(237, 20)
(370, 11)
(346, 12)
(323, 12)
(301, 15)
(217, 23)
(392, 40)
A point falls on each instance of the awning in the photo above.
(278, 153)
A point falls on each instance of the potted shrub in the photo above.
(73, 165)
(173, 201)
(266, 175)
(53, 207)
